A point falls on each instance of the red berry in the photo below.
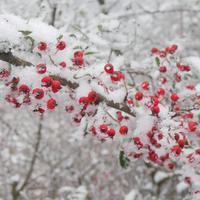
(136, 140)
(61, 45)
(178, 78)
(55, 86)
(109, 68)
(190, 87)
(123, 130)
(186, 68)
(38, 93)
(78, 58)
(46, 81)
(4, 73)
(42, 46)
(138, 96)
(155, 109)
(145, 85)
(130, 102)
(173, 48)
(111, 133)
(69, 109)
(181, 143)
(41, 110)
(119, 116)
(117, 76)
(163, 80)
(78, 54)
(188, 116)
(93, 130)
(78, 61)
(188, 180)
(153, 156)
(192, 126)
(63, 64)
(24, 88)
(197, 151)
(103, 128)
(176, 149)
(41, 68)
(174, 97)
(155, 100)
(163, 69)
(180, 66)
(162, 54)
(155, 50)
(176, 136)
(51, 104)
(160, 92)
(92, 96)
(84, 100)
(171, 165)
(160, 136)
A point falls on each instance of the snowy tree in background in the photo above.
(99, 100)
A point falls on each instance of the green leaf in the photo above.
(123, 160)
(25, 33)
(157, 61)
(90, 53)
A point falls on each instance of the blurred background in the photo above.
(51, 153)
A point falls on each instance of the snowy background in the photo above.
(69, 166)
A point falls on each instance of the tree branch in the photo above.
(10, 58)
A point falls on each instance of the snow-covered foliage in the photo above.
(94, 80)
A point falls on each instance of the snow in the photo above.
(129, 29)
(132, 195)
(160, 176)
(181, 187)
(194, 62)
(72, 193)
(144, 122)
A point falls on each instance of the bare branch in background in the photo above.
(101, 2)
(15, 191)
(53, 16)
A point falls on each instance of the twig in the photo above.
(15, 191)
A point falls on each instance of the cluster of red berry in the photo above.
(163, 53)
(149, 97)
(114, 75)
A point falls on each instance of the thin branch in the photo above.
(15, 191)
(148, 12)
(53, 16)
(33, 160)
